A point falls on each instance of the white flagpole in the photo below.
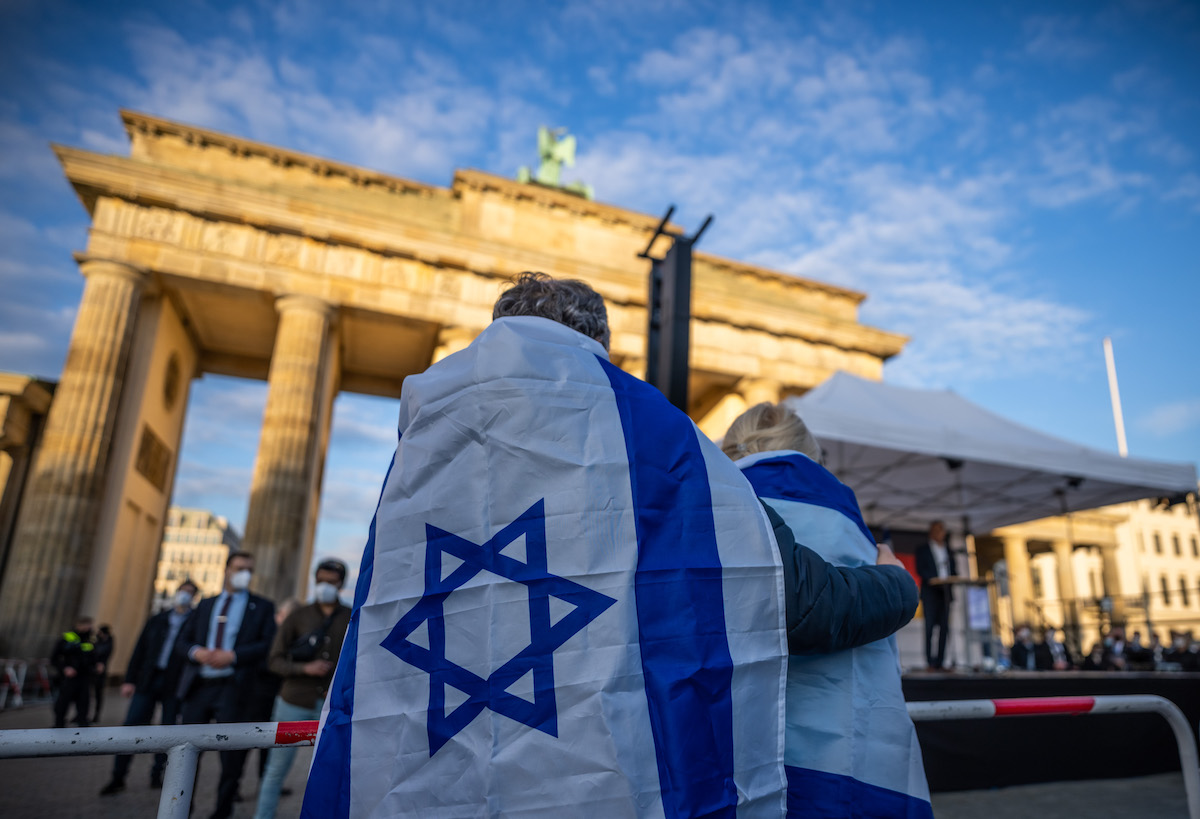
(1118, 419)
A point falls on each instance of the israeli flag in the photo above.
(851, 748)
(570, 604)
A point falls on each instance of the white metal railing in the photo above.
(183, 743)
(1189, 761)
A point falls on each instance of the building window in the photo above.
(1092, 583)
(1036, 577)
(1166, 590)
(1183, 592)
(1157, 544)
(1195, 547)
(1178, 549)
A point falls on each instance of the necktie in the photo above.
(221, 618)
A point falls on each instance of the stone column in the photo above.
(1111, 576)
(635, 366)
(759, 390)
(451, 339)
(52, 546)
(716, 423)
(278, 533)
(1063, 551)
(1020, 585)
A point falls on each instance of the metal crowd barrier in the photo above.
(12, 683)
(183, 743)
(1189, 761)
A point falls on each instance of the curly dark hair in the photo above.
(567, 301)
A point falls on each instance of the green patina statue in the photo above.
(555, 149)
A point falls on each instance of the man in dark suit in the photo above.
(224, 643)
(1024, 654)
(935, 562)
(151, 678)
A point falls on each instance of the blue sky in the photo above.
(1008, 186)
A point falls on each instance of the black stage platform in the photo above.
(974, 754)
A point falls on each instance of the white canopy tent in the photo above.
(912, 456)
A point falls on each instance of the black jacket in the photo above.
(251, 645)
(831, 608)
(75, 651)
(143, 664)
(1019, 655)
(927, 570)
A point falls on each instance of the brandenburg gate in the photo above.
(208, 253)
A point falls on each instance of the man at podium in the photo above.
(935, 563)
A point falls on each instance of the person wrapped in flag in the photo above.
(570, 602)
(851, 749)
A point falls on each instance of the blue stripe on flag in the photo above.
(799, 478)
(327, 795)
(680, 604)
(819, 795)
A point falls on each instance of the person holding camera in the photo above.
(304, 654)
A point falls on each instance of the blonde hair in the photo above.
(766, 427)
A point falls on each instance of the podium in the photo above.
(970, 620)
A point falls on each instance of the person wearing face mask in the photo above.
(224, 642)
(304, 654)
(1024, 652)
(151, 679)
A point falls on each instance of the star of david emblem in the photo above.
(546, 633)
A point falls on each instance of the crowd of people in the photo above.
(1113, 652)
(235, 657)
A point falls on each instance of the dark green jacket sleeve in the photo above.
(831, 608)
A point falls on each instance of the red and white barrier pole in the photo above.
(181, 743)
(1189, 761)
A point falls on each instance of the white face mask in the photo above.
(241, 580)
(183, 599)
(325, 592)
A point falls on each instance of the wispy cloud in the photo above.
(226, 412)
(1171, 419)
(224, 490)
(364, 422)
(1059, 38)
(422, 115)
(808, 172)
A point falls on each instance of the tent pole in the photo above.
(1070, 607)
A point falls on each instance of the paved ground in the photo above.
(67, 788)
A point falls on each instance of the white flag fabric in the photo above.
(851, 750)
(570, 604)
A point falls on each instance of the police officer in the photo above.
(74, 657)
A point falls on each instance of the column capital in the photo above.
(309, 304)
(301, 303)
(93, 267)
